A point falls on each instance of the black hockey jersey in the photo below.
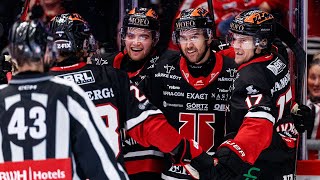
(139, 73)
(194, 106)
(123, 108)
(260, 107)
(47, 124)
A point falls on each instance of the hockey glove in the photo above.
(302, 117)
(287, 132)
(186, 152)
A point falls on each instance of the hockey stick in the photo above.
(24, 13)
(210, 8)
(300, 63)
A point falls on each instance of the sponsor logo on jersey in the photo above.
(49, 169)
(288, 177)
(221, 107)
(169, 93)
(178, 170)
(251, 90)
(251, 174)
(170, 76)
(173, 87)
(232, 72)
(203, 96)
(276, 66)
(165, 104)
(129, 142)
(197, 107)
(220, 96)
(100, 61)
(199, 83)
(80, 78)
(212, 76)
(100, 93)
(223, 90)
(154, 59)
(27, 87)
(225, 79)
(281, 84)
(169, 68)
(143, 105)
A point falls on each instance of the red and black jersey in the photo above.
(137, 158)
(123, 107)
(261, 99)
(194, 106)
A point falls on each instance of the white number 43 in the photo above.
(17, 124)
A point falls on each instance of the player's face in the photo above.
(244, 48)
(138, 43)
(314, 80)
(193, 45)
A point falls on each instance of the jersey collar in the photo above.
(69, 68)
(256, 60)
(201, 81)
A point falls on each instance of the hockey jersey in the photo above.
(125, 110)
(260, 107)
(194, 106)
(139, 72)
(47, 124)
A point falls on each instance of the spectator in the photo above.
(314, 101)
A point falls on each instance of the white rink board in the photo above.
(305, 177)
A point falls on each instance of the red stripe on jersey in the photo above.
(253, 137)
(69, 68)
(156, 131)
(257, 60)
(144, 165)
(201, 82)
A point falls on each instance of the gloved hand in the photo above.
(302, 117)
(225, 165)
(185, 152)
(287, 132)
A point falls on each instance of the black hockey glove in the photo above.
(302, 117)
(186, 152)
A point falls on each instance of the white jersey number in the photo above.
(109, 114)
(17, 124)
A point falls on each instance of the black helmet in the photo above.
(142, 18)
(28, 40)
(72, 33)
(193, 18)
(255, 23)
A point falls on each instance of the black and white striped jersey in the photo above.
(50, 130)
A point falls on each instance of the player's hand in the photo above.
(302, 117)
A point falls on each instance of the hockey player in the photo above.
(124, 108)
(192, 90)
(265, 136)
(139, 36)
(49, 128)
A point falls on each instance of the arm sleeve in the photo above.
(156, 131)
